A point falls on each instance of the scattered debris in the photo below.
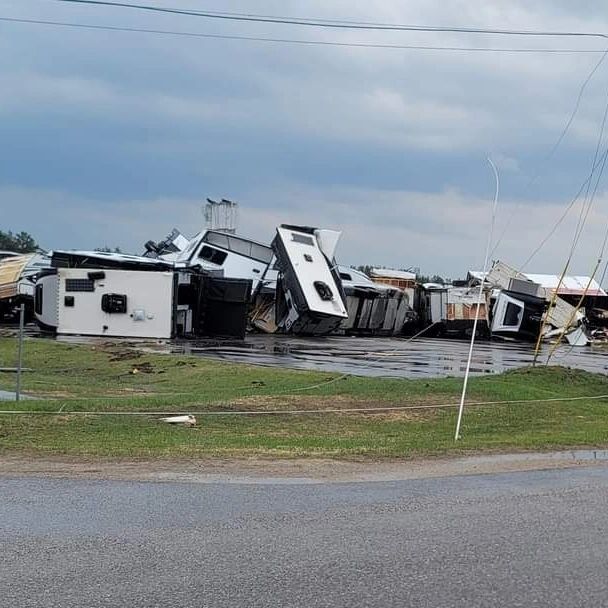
(183, 420)
(220, 284)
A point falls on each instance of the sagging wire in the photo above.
(245, 388)
(564, 214)
(583, 216)
(553, 150)
(399, 351)
(581, 299)
(390, 408)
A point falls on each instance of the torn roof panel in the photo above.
(11, 269)
(570, 285)
(388, 273)
(574, 285)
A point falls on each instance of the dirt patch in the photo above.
(125, 355)
(296, 470)
(344, 404)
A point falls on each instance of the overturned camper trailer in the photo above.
(99, 294)
(451, 310)
(227, 255)
(517, 314)
(373, 308)
(309, 295)
(524, 303)
(404, 280)
(17, 279)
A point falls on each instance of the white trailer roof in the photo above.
(388, 273)
(570, 285)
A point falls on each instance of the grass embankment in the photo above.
(114, 377)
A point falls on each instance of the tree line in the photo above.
(23, 242)
(20, 242)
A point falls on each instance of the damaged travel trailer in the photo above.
(452, 310)
(227, 255)
(309, 295)
(517, 315)
(106, 294)
(523, 303)
(17, 281)
(373, 308)
(400, 279)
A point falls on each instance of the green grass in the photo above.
(115, 377)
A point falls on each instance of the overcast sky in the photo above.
(113, 138)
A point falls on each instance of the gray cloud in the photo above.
(123, 134)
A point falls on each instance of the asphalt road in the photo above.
(517, 539)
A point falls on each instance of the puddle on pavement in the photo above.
(564, 456)
(387, 357)
(10, 396)
(393, 357)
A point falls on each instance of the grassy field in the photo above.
(116, 377)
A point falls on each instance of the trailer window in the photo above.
(217, 238)
(215, 256)
(244, 247)
(512, 315)
(261, 253)
(302, 238)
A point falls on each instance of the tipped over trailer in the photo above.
(17, 280)
(526, 304)
(452, 310)
(98, 294)
(309, 295)
(374, 309)
(107, 302)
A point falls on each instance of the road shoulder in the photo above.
(303, 470)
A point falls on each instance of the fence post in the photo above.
(20, 350)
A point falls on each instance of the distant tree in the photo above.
(107, 249)
(20, 243)
(365, 269)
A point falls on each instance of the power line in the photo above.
(554, 148)
(322, 23)
(371, 45)
(566, 211)
(598, 161)
(352, 410)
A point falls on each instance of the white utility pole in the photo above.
(481, 285)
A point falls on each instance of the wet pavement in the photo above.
(388, 357)
(395, 357)
(11, 396)
(513, 539)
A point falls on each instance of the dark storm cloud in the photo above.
(144, 127)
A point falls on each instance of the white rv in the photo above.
(101, 294)
(227, 255)
(134, 303)
(310, 298)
